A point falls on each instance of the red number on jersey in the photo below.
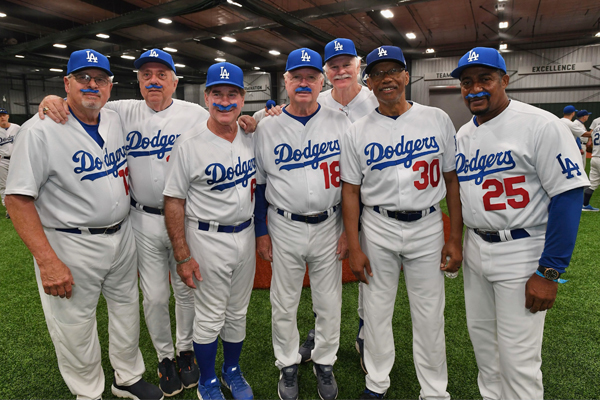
(124, 173)
(510, 191)
(331, 173)
(430, 173)
(252, 189)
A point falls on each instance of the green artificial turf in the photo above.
(571, 351)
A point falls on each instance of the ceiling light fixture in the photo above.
(430, 51)
(19, 56)
(597, 34)
(274, 52)
(257, 68)
(234, 3)
(503, 25)
(102, 36)
(2, 15)
(128, 57)
(503, 46)
(219, 59)
(165, 21)
(60, 46)
(411, 35)
(179, 76)
(180, 65)
(170, 49)
(229, 39)
(56, 70)
(387, 13)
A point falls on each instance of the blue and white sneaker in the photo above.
(234, 380)
(589, 208)
(211, 390)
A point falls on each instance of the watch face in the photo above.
(551, 274)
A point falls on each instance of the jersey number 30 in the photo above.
(430, 173)
(511, 191)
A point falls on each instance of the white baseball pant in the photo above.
(155, 261)
(3, 174)
(227, 264)
(506, 337)
(416, 245)
(296, 244)
(99, 264)
(595, 173)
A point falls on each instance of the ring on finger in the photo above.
(45, 110)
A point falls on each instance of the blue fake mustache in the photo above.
(304, 89)
(478, 95)
(228, 108)
(88, 91)
(154, 87)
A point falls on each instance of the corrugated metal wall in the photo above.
(574, 87)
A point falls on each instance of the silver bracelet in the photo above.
(184, 260)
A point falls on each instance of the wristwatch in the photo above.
(548, 273)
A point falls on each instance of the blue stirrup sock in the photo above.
(205, 356)
(231, 353)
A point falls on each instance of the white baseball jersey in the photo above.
(510, 167)
(74, 181)
(215, 176)
(6, 139)
(149, 139)
(595, 123)
(362, 104)
(300, 163)
(399, 167)
(596, 140)
(576, 127)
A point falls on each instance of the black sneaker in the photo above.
(360, 347)
(141, 390)
(7, 216)
(369, 394)
(170, 383)
(287, 388)
(326, 385)
(188, 369)
(307, 347)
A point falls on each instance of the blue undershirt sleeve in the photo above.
(260, 211)
(564, 213)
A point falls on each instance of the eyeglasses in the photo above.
(392, 73)
(85, 79)
(309, 78)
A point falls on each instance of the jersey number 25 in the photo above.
(511, 191)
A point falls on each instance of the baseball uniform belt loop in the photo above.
(216, 227)
(405, 216)
(309, 219)
(4, 158)
(149, 210)
(502, 236)
(93, 231)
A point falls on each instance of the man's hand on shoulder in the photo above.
(54, 107)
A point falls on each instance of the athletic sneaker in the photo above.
(287, 388)
(360, 347)
(141, 390)
(326, 384)
(307, 347)
(170, 384)
(369, 394)
(233, 379)
(589, 208)
(188, 369)
(7, 216)
(211, 390)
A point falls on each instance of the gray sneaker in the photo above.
(326, 385)
(307, 347)
(287, 388)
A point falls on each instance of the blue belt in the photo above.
(204, 226)
(494, 236)
(94, 231)
(309, 219)
(406, 216)
(149, 210)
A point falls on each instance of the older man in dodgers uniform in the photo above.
(521, 187)
(8, 132)
(69, 200)
(209, 193)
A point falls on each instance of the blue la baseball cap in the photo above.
(339, 47)
(155, 55)
(569, 109)
(225, 73)
(583, 113)
(302, 58)
(3, 111)
(384, 53)
(486, 56)
(88, 58)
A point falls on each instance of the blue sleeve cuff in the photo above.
(260, 211)
(564, 213)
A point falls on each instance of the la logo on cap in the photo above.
(382, 52)
(91, 58)
(305, 56)
(224, 73)
(338, 46)
(473, 56)
(153, 53)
